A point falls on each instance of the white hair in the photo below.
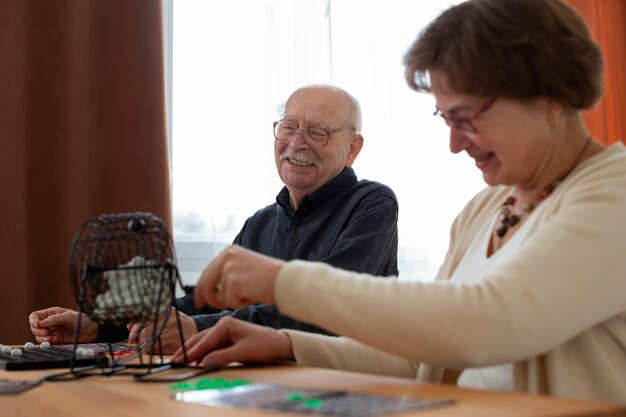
(357, 118)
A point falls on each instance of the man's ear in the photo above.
(354, 148)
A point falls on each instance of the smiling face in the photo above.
(514, 143)
(304, 169)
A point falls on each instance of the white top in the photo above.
(471, 269)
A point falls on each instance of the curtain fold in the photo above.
(82, 119)
(607, 121)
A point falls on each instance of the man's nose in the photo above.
(298, 141)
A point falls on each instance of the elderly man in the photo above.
(323, 213)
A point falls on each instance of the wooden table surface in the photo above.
(120, 396)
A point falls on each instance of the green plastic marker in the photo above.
(208, 383)
(313, 403)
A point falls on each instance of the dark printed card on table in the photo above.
(8, 387)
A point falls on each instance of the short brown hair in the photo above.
(519, 49)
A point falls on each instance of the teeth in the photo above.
(300, 163)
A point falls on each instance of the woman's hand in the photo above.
(237, 278)
(232, 340)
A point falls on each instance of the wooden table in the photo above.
(120, 396)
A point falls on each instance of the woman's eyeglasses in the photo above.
(465, 123)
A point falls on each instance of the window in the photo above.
(233, 65)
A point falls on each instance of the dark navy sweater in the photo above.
(346, 223)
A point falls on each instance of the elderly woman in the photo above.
(532, 294)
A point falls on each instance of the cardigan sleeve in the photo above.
(572, 265)
(348, 355)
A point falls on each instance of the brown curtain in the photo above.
(607, 21)
(82, 123)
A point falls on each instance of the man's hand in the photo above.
(232, 340)
(56, 325)
(236, 278)
(170, 337)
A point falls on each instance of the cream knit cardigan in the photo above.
(557, 311)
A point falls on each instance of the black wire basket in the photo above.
(123, 270)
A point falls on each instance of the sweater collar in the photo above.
(337, 185)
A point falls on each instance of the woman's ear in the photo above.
(555, 111)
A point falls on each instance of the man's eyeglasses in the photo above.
(314, 136)
(465, 123)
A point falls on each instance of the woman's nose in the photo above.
(458, 139)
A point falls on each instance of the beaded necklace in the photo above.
(509, 219)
